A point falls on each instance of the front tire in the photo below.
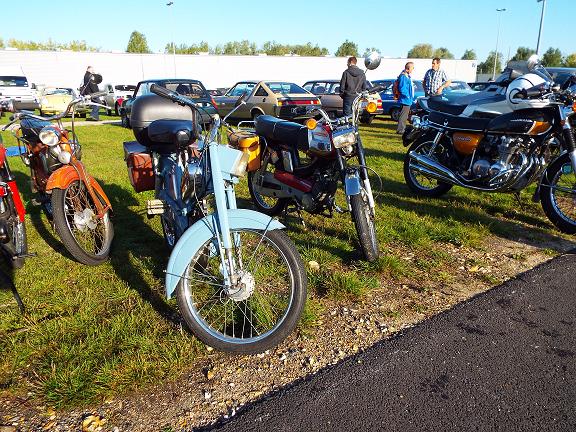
(558, 194)
(365, 225)
(87, 237)
(422, 184)
(257, 313)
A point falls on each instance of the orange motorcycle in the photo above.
(73, 200)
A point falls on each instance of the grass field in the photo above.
(90, 332)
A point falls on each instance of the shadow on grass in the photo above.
(525, 228)
(134, 239)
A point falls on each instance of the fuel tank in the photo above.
(524, 122)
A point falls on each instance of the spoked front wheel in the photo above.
(85, 235)
(262, 305)
(365, 226)
(558, 194)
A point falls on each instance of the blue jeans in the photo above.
(94, 114)
(347, 105)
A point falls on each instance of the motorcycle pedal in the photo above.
(339, 209)
(155, 207)
(26, 255)
(36, 202)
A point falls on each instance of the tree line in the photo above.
(137, 44)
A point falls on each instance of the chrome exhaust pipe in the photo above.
(425, 165)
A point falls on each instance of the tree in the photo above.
(488, 65)
(443, 53)
(469, 55)
(347, 49)
(137, 43)
(523, 53)
(1, 43)
(552, 57)
(570, 60)
(421, 51)
(369, 51)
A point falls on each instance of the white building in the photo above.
(66, 69)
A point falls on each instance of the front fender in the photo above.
(63, 177)
(352, 183)
(202, 231)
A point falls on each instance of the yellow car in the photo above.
(54, 100)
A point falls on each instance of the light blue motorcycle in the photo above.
(239, 280)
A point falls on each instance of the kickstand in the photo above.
(518, 199)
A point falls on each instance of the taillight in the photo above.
(379, 103)
(284, 102)
(3, 190)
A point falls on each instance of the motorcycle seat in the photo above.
(437, 104)
(455, 122)
(283, 131)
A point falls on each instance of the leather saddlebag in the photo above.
(139, 163)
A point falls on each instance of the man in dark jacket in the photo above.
(353, 81)
(90, 87)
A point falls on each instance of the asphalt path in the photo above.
(504, 360)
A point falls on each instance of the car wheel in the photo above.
(256, 114)
(116, 110)
(124, 119)
(395, 113)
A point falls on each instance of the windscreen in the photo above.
(13, 81)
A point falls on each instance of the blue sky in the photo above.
(391, 26)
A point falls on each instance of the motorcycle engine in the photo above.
(321, 194)
(499, 155)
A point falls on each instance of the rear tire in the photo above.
(365, 225)
(395, 113)
(421, 184)
(17, 245)
(265, 204)
(367, 118)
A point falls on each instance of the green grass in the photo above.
(90, 332)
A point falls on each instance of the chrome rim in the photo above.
(90, 232)
(253, 308)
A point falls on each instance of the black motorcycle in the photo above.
(502, 153)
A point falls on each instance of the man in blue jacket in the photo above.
(406, 90)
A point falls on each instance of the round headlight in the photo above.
(49, 136)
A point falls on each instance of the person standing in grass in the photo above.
(405, 95)
(435, 79)
(89, 86)
(352, 82)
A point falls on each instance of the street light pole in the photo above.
(173, 44)
(541, 24)
(497, 37)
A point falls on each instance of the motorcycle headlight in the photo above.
(344, 138)
(50, 136)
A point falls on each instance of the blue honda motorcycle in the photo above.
(238, 279)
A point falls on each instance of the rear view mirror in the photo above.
(373, 60)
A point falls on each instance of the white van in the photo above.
(16, 87)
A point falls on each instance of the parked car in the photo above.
(276, 98)
(328, 91)
(188, 87)
(17, 88)
(115, 95)
(54, 100)
(391, 106)
(457, 89)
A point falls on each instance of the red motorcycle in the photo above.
(12, 227)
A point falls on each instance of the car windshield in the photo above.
(13, 81)
(125, 87)
(58, 91)
(418, 86)
(459, 85)
(285, 88)
(189, 89)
